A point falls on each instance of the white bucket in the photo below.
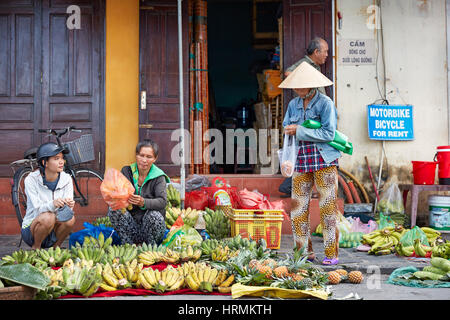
(439, 212)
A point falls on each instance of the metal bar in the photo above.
(180, 74)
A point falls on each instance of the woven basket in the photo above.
(17, 293)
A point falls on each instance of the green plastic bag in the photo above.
(385, 222)
(413, 234)
(404, 277)
(182, 237)
(340, 140)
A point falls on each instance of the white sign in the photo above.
(357, 51)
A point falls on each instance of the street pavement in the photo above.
(376, 270)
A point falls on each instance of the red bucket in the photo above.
(424, 172)
(443, 158)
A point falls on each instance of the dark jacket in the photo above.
(153, 191)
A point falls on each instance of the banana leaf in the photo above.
(25, 274)
(340, 140)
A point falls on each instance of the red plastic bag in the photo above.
(197, 199)
(116, 189)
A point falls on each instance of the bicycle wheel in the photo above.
(86, 185)
(18, 195)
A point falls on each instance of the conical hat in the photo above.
(305, 76)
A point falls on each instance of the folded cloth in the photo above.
(340, 140)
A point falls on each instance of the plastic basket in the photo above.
(258, 224)
(80, 150)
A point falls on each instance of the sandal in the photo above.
(330, 262)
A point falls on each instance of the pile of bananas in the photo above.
(102, 220)
(237, 242)
(190, 254)
(82, 280)
(120, 276)
(208, 246)
(432, 235)
(173, 197)
(121, 253)
(223, 254)
(202, 277)
(217, 224)
(99, 242)
(189, 216)
(383, 241)
(54, 257)
(169, 279)
(88, 253)
(22, 256)
(441, 249)
(161, 254)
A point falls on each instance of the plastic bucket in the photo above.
(439, 212)
(424, 172)
(443, 158)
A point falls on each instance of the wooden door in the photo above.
(302, 21)
(159, 77)
(20, 86)
(72, 85)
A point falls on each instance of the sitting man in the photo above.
(48, 190)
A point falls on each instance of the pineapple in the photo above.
(281, 271)
(269, 262)
(266, 270)
(342, 272)
(306, 283)
(254, 263)
(355, 277)
(296, 276)
(334, 277)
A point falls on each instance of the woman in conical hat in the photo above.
(316, 162)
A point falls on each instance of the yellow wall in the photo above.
(122, 82)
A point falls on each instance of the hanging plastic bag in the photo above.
(411, 235)
(288, 156)
(391, 201)
(116, 189)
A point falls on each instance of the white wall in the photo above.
(414, 36)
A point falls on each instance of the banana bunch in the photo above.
(55, 276)
(22, 256)
(193, 272)
(382, 241)
(217, 224)
(88, 253)
(102, 220)
(189, 254)
(100, 243)
(223, 254)
(171, 256)
(151, 256)
(189, 216)
(406, 251)
(51, 292)
(173, 197)
(169, 279)
(54, 257)
(432, 235)
(116, 254)
(237, 242)
(85, 281)
(208, 246)
(120, 276)
(420, 249)
(441, 249)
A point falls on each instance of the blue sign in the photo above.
(386, 122)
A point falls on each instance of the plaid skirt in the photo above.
(309, 158)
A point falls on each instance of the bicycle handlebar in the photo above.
(59, 132)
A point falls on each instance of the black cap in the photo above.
(47, 150)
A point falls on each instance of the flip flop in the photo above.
(330, 262)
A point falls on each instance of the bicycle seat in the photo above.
(30, 153)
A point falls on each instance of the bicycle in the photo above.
(80, 151)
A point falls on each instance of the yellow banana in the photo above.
(192, 284)
(177, 284)
(106, 287)
(228, 281)
(143, 281)
(110, 279)
(213, 275)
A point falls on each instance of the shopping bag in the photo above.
(385, 222)
(411, 235)
(288, 155)
(181, 235)
(93, 231)
(196, 199)
(116, 189)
